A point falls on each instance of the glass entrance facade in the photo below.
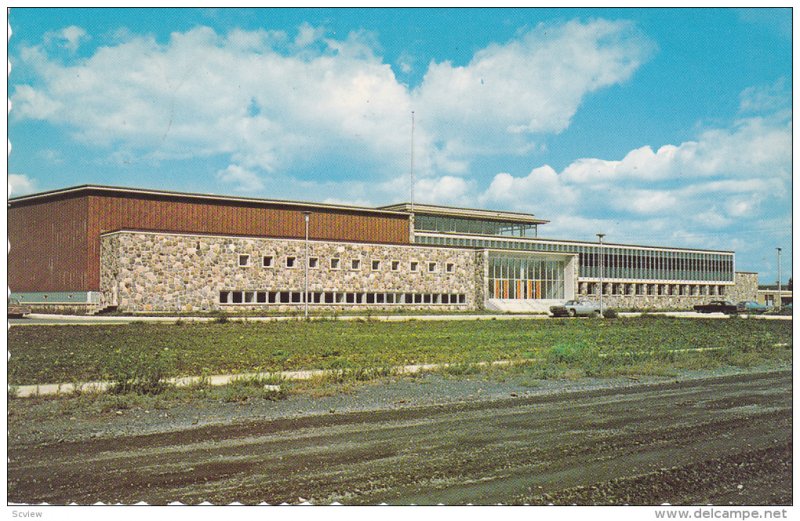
(526, 277)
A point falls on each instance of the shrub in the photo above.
(267, 386)
(577, 356)
(610, 313)
(235, 394)
(461, 369)
(116, 402)
(566, 353)
(140, 371)
(343, 373)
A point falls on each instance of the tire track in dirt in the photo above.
(513, 450)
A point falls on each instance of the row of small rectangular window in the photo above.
(335, 297)
(618, 262)
(268, 261)
(624, 288)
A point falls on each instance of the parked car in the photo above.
(750, 306)
(717, 306)
(575, 308)
(17, 310)
(785, 309)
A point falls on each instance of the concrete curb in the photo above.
(77, 319)
(29, 391)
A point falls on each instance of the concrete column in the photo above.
(571, 277)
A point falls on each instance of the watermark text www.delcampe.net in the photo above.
(720, 513)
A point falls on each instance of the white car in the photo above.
(577, 308)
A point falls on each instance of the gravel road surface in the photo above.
(719, 440)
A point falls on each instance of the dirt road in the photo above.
(724, 440)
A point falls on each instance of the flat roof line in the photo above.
(208, 197)
(565, 241)
(475, 213)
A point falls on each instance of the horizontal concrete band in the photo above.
(27, 391)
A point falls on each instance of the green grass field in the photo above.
(53, 354)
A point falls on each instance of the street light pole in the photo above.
(779, 279)
(602, 262)
(305, 293)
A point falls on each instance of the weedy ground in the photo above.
(138, 357)
(147, 353)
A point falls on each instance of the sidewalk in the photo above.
(27, 391)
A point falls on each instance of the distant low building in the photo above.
(156, 251)
(770, 296)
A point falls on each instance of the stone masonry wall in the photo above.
(624, 295)
(143, 272)
(746, 287)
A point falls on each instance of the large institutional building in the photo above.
(154, 251)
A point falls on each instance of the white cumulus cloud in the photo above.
(723, 186)
(444, 190)
(532, 84)
(243, 180)
(20, 184)
(274, 102)
(69, 37)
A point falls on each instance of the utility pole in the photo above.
(602, 262)
(305, 293)
(779, 302)
(411, 225)
(412, 162)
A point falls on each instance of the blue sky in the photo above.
(655, 126)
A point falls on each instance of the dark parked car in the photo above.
(717, 306)
(750, 306)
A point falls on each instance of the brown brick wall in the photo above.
(110, 213)
(49, 246)
(56, 242)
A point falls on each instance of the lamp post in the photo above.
(305, 292)
(602, 261)
(779, 302)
